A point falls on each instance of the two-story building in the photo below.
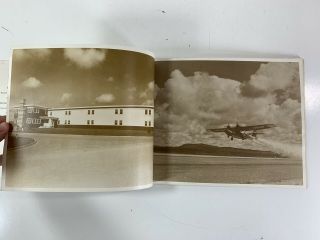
(32, 116)
(118, 115)
(27, 116)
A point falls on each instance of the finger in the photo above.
(4, 128)
(2, 119)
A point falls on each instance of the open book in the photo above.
(100, 119)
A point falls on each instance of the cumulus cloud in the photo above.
(65, 98)
(31, 82)
(280, 78)
(188, 105)
(151, 85)
(85, 58)
(105, 98)
(147, 94)
(26, 54)
(131, 93)
(110, 79)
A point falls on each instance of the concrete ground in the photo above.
(80, 161)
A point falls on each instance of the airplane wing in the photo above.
(217, 129)
(257, 127)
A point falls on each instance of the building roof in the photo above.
(87, 107)
(97, 107)
(29, 105)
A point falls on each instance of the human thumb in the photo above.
(4, 128)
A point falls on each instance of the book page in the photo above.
(4, 76)
(229, 121)
(82, 120)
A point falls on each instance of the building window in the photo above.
(120, 122)
(92, 112)
(88, 122)
(88, 112)
(68, 121)
(115, 122)
(121, 111)
(36, 110)
(92, 122)
(69, 112)
(146, 111)
(50, 113)
(149, 111)
(66, 112)
(116, 111)
(65, 121)
(29, 120)
(145, 123)
(29, 110)
(149, 123)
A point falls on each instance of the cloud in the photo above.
(26, 54)
(85, 58)
(280, 78)
(131, 93)
(31, 82)
(105, 98)
(65, 98)
(151, 85)
(188, 105)
(110, 79)
(147, 94)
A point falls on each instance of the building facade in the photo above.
(31, 116)
(28, 116)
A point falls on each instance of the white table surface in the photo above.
(232, 28)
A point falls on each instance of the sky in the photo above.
(192, 96)
(75, 77)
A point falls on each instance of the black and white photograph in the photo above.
(77, 115)
(229, 121)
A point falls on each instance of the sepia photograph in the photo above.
(82, 118)
(229, 121)
(4, 65)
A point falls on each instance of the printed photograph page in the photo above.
(82, 120)
(4, 76)
(229, 121)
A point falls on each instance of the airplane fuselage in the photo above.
(237, 133)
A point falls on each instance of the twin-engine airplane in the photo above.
(242, 132)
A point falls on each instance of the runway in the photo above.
(226, 169)
(80, 161)
(187, 159)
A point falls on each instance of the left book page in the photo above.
(82, 120)
(4, 75)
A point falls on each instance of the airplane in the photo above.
(242, 132)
